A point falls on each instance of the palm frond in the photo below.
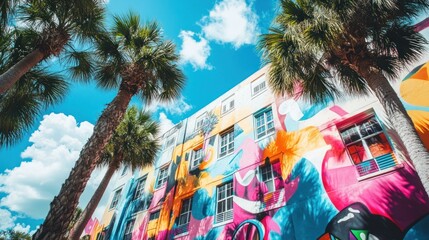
(107, 75)
(126, 27)
(81, 64)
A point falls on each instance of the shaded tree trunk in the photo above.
(13, 74)
(62, 207)
(401, 122)
(80, 225)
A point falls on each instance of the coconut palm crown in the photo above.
(59, 27)
(134, 57)
(330, 47)
(133, 145)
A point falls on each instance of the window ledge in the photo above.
(226, 113)
(181, 235)
(375, 174)
(266, 136)
(222, 223)
(254, 95)
(224, 156)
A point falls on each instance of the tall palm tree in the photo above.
(357, 45)
(56, 23)
(136, 59)
(133, 145)
(36, 90)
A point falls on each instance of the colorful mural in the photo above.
(278, 169)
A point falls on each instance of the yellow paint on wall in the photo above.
(420, 120)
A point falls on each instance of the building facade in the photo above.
(251, 165)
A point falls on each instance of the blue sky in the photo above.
(216, 41)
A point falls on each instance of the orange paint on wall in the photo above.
(292, 146)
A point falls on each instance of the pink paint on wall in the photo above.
(200, 227)
(397, 195)
(90, 225)
(141, 231)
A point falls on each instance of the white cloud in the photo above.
(175, 107)
(193, 51)
(56, 145)
(231, 21)
(22, 228)
(165, 123)
(6, 219)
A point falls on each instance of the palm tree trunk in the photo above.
(92, 204)
(63, 205)
(13, 74)
(401, 122)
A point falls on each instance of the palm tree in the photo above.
(56, 24)
(358, 45)
(14, 235)
(134, 145)
(36, 90)
(140, 62)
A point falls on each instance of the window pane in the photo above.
(357, 152)
(378, 145)
(350, 135)
(229, 204)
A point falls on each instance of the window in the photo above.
(197, 157)
(224, 203)
(368, 146)
(169, 142)
(267, 176)
(154, 215)
(129, 229)
(227, 104)
(139, 188)
(199, 122)
(258, 86)
(185, 212)
(264, 123)
(162, 176)
(227, 142)
(116, 197)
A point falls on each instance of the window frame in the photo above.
(167, 145)
(164, 179)
(140, 189)
(267, 131)
(228, 103)
(199, 122)
(272, 178)
(363, 139)
(115, 200)
(229, 141)
(257, 83)
(156, 212)
(188, 212)
(224, 200)
(200, 159)
(129, 226)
